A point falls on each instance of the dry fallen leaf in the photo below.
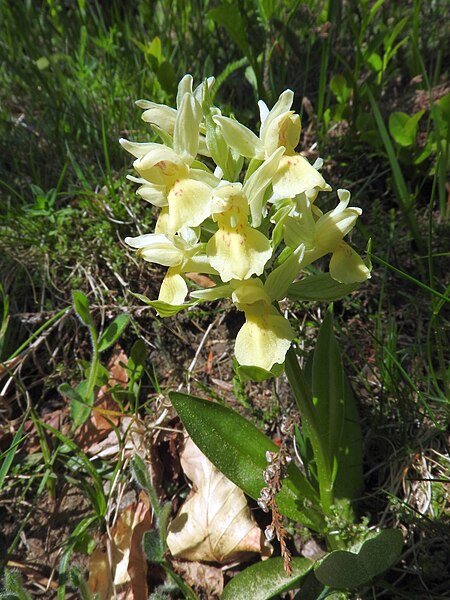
(215, 523)
(125, 563)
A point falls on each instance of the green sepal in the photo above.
(252, 373)
(320, 288)
(163, 309)
(350, 570)
(237, 448)
(266, 579)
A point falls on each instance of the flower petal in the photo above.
(189, 204)
(162, 116)
(161, 166)
(346, 266)
(256, 185)
(239, 137)
(138, 149)
(282, 105)
(173, 288)
(155, 194)
(265, 337)
(294, 176)
(238, 253)
(186, 132)
(156, 248)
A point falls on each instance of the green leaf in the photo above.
(247, 373)
(113, 332)
(339, 87)
(80, 405)
(153, 548)
(13, 586)
(140, 473)
(229, 17)
(81, 304)
(164, 309)
(444, 104)
(266, 579)
(237, 448)
(167, 77)
(320, 288)
(330, 419)
(337, 413)
(403, 128)
(350, 570)
(8, 456)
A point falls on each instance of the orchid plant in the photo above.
(230, 223)
(244, 209)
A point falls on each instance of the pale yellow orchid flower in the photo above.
(266, 335)
(169, 181)
(182, 253)
(163, 118)
(324, 234)
(280, 128)
(236, 250)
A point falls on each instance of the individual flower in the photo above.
(323, 234)
(163, 118)
(182, 254)
(266, 335)
(166, 173)
(236, 250)
(280, 128)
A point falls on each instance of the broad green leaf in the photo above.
(164, 309)
(167, 77)
(113, 332)
(327, 388)
(136, 362)
(403, 128)
(320, 288)
(375, 62)
(339, 87)
(266, 579)
(444, 104)
(350, 570)
(237, 448)
(81, 304)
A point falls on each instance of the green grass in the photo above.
(70, 73)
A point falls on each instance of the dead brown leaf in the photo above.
(207, 578)
(215, 523)
(125, 563)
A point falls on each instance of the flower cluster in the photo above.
(241, 208)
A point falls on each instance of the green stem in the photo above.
(305, 405)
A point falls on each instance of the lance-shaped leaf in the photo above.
(237, 448)
(329, 418)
